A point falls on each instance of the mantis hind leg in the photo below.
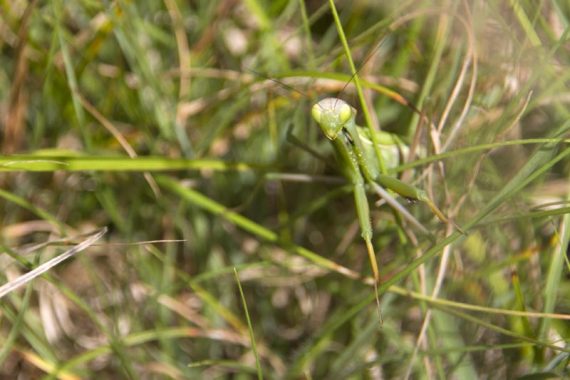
(411, 192)
(398, 207)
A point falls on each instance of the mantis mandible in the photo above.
(336, 118)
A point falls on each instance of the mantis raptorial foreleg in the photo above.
(336, 119)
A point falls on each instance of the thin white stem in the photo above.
(398, 207)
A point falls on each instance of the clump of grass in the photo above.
(184, 128)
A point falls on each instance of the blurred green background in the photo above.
(184, 127)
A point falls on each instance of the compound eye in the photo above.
(317, 113)
(344, 112)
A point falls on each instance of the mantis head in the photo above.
(332, 114)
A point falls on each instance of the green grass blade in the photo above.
(249, 327)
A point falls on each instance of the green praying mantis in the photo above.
(358, 163)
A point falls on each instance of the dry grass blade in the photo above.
(13, 285)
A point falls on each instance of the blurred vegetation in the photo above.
(183, 126)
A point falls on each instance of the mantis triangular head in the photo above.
(332, 114)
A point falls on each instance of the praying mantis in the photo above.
(357, 161)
